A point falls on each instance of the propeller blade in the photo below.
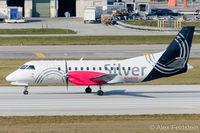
(67, 75)
(67, 82)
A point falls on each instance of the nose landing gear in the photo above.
(26, 90)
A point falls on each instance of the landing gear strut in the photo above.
(100, 92)
(26, 90)
(88, 90)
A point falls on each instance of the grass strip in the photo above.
(89, 40)
(101, 124)
(36, 31)
(191, 77)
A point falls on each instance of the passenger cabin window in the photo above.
(31, 67)
(76, 68)
(99, 68)
(70, 68)
(93, 68)
(81, 68)
(106, 68)
(88, 69)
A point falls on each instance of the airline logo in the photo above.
(183, 52)
(118, 69)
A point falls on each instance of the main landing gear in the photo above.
(99, 92)
(26, 90)
(88, 90)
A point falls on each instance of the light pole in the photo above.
(67, 15)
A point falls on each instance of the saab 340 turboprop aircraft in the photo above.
(88, 73)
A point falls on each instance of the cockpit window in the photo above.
(24, 67)
(31, 67)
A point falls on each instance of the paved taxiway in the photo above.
(118, 100)
(77, 25)
(86, 51)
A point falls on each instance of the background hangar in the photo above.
(54, 8)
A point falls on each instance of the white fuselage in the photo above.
(49, 71)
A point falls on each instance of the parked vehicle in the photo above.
(163, 12)
(92, 14)
(11, 14)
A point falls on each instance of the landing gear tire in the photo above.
(88, 90)
(100, 93)
(25, 92)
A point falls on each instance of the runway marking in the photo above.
(190, 107)
(40, 55)
(145, 53)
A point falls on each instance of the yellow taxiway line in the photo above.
(40, 55)
(145, 53)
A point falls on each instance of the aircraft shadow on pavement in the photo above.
(143, 94)
(106, 93)
(125, 93)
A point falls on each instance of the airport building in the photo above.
(52, 8)
(43, 8)
(57, 8)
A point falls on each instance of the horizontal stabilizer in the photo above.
(178, 62)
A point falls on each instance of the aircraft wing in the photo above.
(89, 78)
(106, 78)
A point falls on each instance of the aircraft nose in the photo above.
(9, 78)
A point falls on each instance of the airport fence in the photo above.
(149, 27)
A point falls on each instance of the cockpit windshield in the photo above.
(29, 67)
(23, 67)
